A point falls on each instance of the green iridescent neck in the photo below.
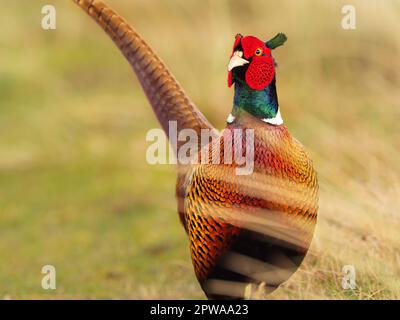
(262, 104)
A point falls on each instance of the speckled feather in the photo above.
(220, 205)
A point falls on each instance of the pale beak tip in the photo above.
(236, 60)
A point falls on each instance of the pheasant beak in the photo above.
(236, 60)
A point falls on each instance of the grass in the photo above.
(76, 190)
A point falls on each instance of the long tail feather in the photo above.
(166, 96)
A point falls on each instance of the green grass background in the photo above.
(76, 191)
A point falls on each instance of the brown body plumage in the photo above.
(243, 229)
(251, 228)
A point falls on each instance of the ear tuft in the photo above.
(276, 41)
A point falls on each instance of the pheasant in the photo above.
(248, 233)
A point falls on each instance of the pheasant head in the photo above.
(251, 61)
(252, 68)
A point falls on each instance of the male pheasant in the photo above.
(246, 231)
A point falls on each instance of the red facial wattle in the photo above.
(260, 70)
(230, 79)
(260, 73)
(237, 41)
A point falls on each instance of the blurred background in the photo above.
(76, 191)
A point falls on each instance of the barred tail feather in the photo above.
(166, 96)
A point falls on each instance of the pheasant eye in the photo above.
(258, 52)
